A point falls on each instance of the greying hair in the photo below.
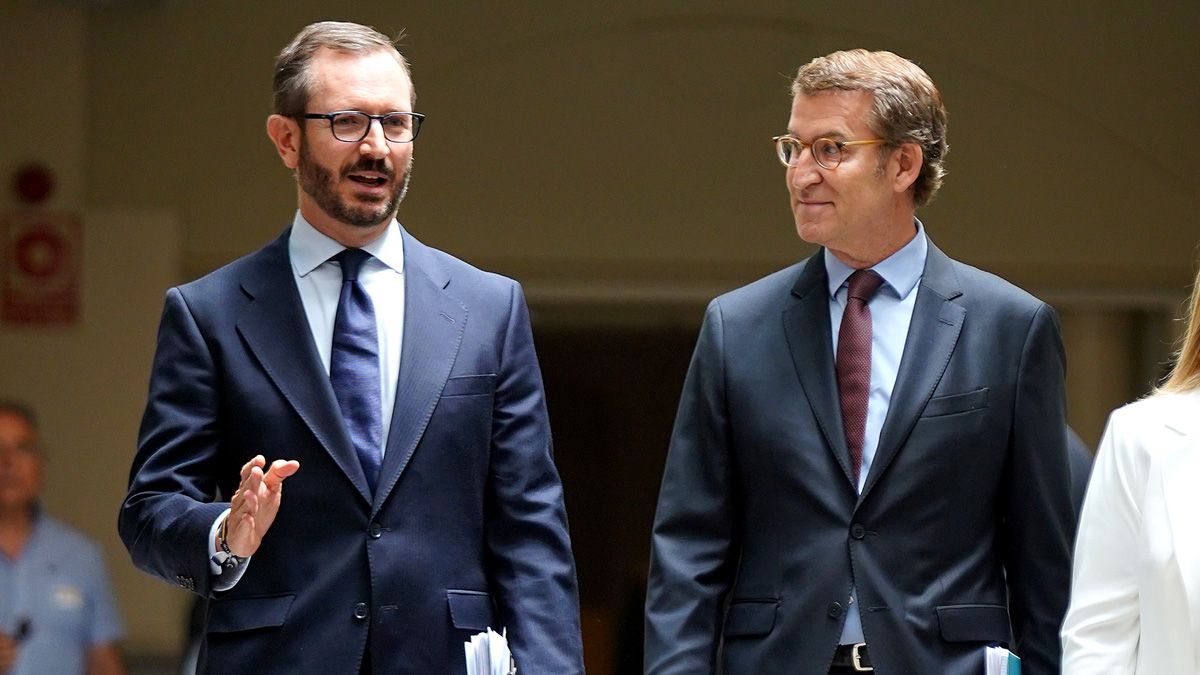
(907, 106)
(293, 83)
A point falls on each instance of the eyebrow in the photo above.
(831, 135)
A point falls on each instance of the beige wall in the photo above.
(43, 71)
(614, 156)
(587, 140)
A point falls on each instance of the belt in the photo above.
(851, 658)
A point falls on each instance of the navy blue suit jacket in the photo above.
(760, 534)
(466, 530)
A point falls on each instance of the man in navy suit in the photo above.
(868, 457)
(372, 406)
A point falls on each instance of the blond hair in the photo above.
(1185, 374)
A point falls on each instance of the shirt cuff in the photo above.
(223, 579)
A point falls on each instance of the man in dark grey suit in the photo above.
(868, 458)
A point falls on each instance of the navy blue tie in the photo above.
(354, 365)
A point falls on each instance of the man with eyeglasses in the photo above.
(868, 468)
(345, 445)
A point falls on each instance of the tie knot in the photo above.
(351, 261)
(864, 284)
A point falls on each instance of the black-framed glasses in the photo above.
(351, 126)
(828, 152)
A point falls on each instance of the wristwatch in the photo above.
(225, 558)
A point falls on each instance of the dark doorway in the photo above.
(612, 395)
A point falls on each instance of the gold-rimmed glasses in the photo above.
(827, 152)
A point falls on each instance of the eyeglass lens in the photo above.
(354, 126)
(826, 152)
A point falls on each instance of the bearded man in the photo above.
(393, 387)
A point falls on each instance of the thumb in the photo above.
(279, 470)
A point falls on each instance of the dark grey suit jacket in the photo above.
(759, 533)
(466, 529)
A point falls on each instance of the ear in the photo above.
(285, 134)
(906, 166)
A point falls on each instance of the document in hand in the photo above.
(487, 654)
(1000, 661)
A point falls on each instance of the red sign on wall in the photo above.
(42, 268)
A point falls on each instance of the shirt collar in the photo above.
(310, 248)
(37, 526)
(900, 271)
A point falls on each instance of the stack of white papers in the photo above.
(1000, 661)
(487, 654)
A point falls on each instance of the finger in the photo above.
(241, 538)
(250, 499)
(280, 469)
(242, 507)
(254, 480)
(257, 460)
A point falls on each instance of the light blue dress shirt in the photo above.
(319, 281)
(59, 588)
(891, 314)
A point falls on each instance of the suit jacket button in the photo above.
(835, 610)
(858, 531)
(360, 610)
(375, 531)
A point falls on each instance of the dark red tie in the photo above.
(854, 362)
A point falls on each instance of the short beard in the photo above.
(318, 183)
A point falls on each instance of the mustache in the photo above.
(368, 164)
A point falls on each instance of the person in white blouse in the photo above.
(1135, 591)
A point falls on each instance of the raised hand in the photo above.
(254, 505)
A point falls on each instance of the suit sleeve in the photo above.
(1038, 515)
(531, 566)
(693, 541)
(165, 518)
(1100, 634)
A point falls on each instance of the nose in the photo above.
(804, 172)
(374, 144)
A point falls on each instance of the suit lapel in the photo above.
(806, 325)
(276, 331)
(434, 323)
(1179, 470)
(932, 335)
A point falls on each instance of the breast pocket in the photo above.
(954, 404)
(469, 385)
(65, 608)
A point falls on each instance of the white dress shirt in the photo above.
(319, 281)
